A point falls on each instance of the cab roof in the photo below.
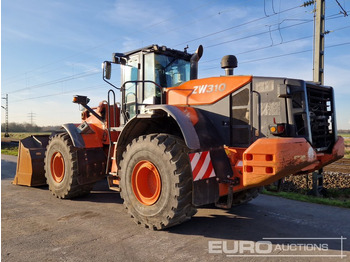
(163, 50)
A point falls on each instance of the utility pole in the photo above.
(319, 41)
(318, 77)
(6, 115)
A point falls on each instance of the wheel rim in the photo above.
(146, 183)
(57, 167)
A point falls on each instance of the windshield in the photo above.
(171, 71)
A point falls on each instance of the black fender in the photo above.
(75, 135)
(198, 137)
(187, 129)
(201, 136)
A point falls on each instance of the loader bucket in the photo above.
(30, 163)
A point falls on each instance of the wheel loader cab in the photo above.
(145, 72)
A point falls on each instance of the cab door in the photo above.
(130, 76)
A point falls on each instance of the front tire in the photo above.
(156, 181)
(61, 168)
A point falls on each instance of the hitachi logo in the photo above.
(209, 88)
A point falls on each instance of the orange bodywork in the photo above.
(270, 159)
(100, 135)
(338, 152)
(98, 138)
(205, 91)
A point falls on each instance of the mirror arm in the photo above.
(104, 77)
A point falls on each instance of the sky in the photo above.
(52, 50)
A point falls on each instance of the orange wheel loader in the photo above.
(175, 142)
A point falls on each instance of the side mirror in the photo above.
(107, 69)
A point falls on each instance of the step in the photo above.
(115, 188)
(119, 128)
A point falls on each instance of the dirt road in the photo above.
(38, 227)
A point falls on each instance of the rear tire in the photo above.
(61, 168)
(156, 181)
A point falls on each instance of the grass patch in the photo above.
(347, 154)
(13, 151)
(342, 193)
(347, 144)
(311, 199)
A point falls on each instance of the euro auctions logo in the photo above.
(240, 247)
(296, 247)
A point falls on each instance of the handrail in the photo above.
(109, 125)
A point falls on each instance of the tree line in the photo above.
(27, 127)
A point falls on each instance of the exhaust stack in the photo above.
(194, 62)
(229, 62)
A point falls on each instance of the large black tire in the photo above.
(61, 168)
(167, 157)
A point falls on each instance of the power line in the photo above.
(57, 94)
(152, 25)
(236, 26)
(330, 17)
(246, 23)
(106, 42)
(257, 34)
(194, 21)
(288, 54)
(261, 33)
(273, 45)
(305, 21)
(281, 55)
(24, 76)
(48, 64)
(343, 10)
(59, 80)
(262, 48)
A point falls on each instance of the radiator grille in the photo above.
(320, 105)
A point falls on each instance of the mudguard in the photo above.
(75, 135)
(198, 132)
(199, 135)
